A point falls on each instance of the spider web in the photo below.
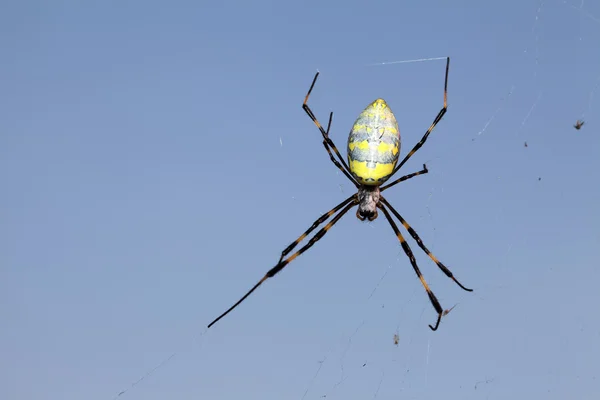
(358, 364)
(391, 367)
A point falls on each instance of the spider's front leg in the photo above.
(346, 204)
(407, 250)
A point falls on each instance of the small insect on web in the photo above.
(373, 151)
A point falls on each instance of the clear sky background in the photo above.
(155, 160)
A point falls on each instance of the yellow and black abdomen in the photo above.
(374, 144)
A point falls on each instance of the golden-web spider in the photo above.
(373, 151)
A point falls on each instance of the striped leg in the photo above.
(327, 142)
(413, 261)
(282, 264)
(437, 119)
(406, 177)
(422, 246)
(315, 224)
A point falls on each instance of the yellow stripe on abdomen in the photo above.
(367, 175)
(374, 144)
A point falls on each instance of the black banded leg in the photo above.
(405, 177)
(327, 142)
(413, 261)
(415, 236)
(281, 265)
(437, 119)
(337, 164)
(315, 224)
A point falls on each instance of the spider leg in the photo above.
(315, 224)
(280, 265)
(422, 246)
(437, 119)
(413, 261)
(405, 177)
(327, 142)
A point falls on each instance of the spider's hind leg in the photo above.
(327, 142)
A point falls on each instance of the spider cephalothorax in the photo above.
(373, 150)
(368, 198)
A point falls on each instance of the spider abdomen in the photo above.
(374, 144)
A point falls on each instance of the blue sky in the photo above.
(155, 161)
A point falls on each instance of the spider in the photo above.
(578, 124)
(373, 152)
